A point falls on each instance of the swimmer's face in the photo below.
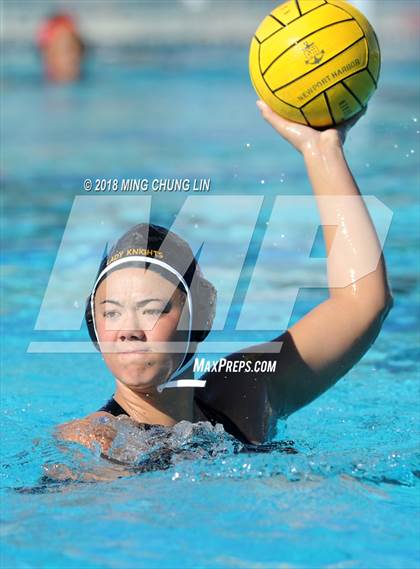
(135, 309)
(63, 56)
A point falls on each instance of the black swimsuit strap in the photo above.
(113, 408)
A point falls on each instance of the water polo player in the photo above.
(151, 306)
(61, 48)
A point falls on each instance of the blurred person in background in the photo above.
(62, 48)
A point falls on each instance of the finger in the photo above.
(276, 121)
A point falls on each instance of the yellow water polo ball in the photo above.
(315, 62)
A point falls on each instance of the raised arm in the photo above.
(327, 342)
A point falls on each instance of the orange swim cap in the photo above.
(52, 25)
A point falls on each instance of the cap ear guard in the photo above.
(204, 301)
(89, 324)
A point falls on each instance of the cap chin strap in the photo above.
(182, 367)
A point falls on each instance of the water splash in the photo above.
(155, 447)
(201, 451)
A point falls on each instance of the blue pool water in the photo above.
(349, 498)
